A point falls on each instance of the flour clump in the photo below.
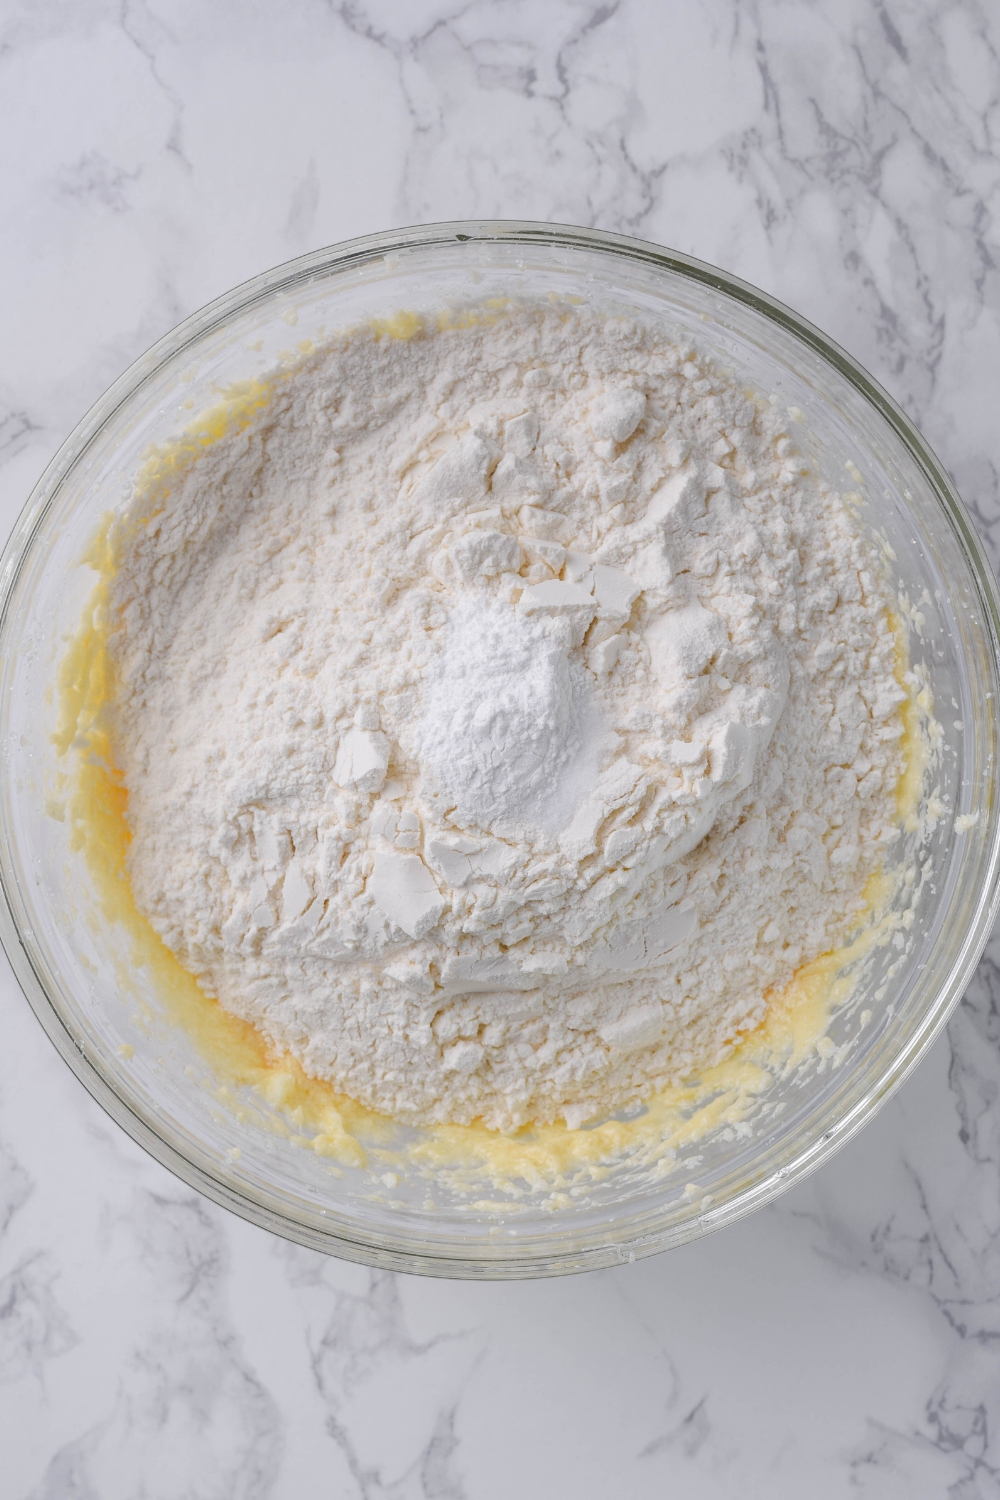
(506, 712)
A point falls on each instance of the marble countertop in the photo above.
(842, 154)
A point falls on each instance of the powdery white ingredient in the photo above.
(507, 723)
(505, 713)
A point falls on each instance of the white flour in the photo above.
(504, 714)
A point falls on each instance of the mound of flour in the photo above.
(505, 713)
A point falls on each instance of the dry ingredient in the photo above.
(505, 712)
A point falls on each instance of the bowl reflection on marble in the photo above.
(71, 962)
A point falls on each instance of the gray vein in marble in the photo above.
(303, 206)
(18, 429)
(33, 1326)
(540, 148)
(95, 179)
(15, 1188)
(146, 31)
(854, 156)
(940, 1241)
(188, 1403)
(689, 1435)
(363, 1337)
(439, 1476)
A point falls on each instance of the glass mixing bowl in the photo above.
(150, 1078)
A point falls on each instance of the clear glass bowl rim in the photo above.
(19, 943)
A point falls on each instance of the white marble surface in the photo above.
(844, 1342)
